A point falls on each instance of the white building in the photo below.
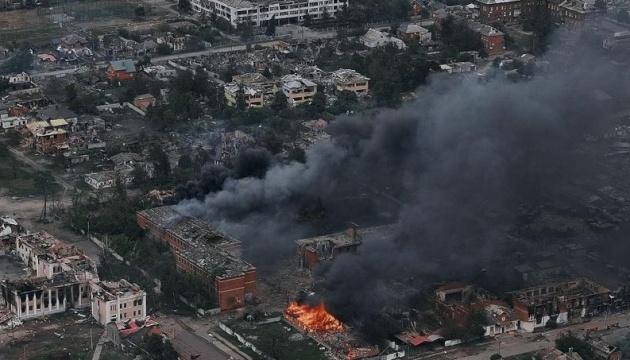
(298, 90)
(260, 12)
(21, 78)
(11, 122)
(374, 38)
(117, 301)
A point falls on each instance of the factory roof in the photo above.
(199, 233)
(123, 65)
(249, 78)
(493, 2)
(216, 262)
(161, 216)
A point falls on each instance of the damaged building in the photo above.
(205, 252)
(118, 301)
(311, 251)
(60, 280)
(560, 302)
(63, 277)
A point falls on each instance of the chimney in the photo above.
(353, 231)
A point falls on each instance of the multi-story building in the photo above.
(183, 232)
(231, 280)
(117, 302)
(298, 90)
(498, 10)
(61, 276)
(252, 96)
(493, 40)
(205, 252)
(561, 301)
(350, 80)
(260, 12)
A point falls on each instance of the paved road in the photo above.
(188, 343)
(521, 343)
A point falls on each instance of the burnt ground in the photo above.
(62, 335)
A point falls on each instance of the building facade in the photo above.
(260, 13)
(498, 10)
(117, 302)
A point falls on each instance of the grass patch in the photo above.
(19, 180)
(279, 340)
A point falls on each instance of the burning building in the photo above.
(312, 318)
(322, 326)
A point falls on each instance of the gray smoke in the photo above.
(450, 170)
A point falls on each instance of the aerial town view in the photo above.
(314, 179)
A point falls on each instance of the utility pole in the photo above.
(91, 341)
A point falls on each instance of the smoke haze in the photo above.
(450, 170)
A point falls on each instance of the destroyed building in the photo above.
(560, 301)
(61, 278)
(205, 252)
(117, 302)
(314, 250)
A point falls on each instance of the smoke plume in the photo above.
(450, 170)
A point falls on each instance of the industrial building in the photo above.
(204, 252)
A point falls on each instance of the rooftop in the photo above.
(348, 76)
(112, 290)
(123, 65)
(216, 262)
(199, 233)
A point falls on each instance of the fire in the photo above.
(313, 318)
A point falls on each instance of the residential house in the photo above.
(45, 138)
(251, 96)
(414, 32)
(121, 70)
(493, 40)
(11, 122)
(143, 102)
(298, 90)
(350, 80)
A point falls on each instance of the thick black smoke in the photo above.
(450, 170)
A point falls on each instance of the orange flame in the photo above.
(314, 318)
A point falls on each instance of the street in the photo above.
(188, 341)
(521, 343)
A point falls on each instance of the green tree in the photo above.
(163, 49)
(184, 6)
(20, 62)
(140, 176)
(279, 101)
(139, 11)
(271, 26)
(162, 166)
(569, 341)
(246, 30)
(185, 162)
(318, 104)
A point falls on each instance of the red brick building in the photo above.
(205, 252)
(231, 280)
(493, 40)
(143, 102)
(498, 10)
(121, 70)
